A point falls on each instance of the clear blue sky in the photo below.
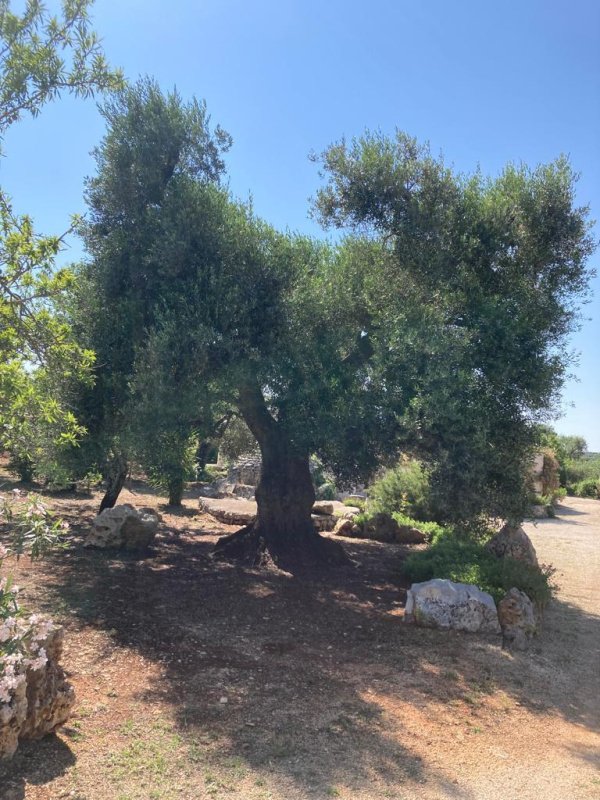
(484, 82)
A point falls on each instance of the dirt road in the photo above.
(551, 747)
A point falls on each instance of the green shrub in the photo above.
(404, 489)
(432, 530)
(362, 518)
(352, 502)
(326, 491)
(547, 501)
(237, 441)
(212, 472)
(325, 488)
(469, 562)
(587, 488)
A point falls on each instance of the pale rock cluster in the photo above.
(123, 527)
(35, 697)
(440, 603)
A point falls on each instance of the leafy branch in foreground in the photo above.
(42, 55)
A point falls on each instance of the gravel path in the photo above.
(555, 755)
(571, 543)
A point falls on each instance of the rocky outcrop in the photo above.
(324, 507)
(440, 603)
(230, 510)
(41, 699)
(384, 528)
(512, 542)
(123, 527)
(12, 715)
(323, 522)
(243, 490)
(246, 471)
(347, 527)
(237, 511)
(518, 619)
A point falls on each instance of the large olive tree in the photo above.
(436, 327)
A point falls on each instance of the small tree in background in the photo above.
(152, 142)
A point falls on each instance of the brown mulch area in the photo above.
(199, 679)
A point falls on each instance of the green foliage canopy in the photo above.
(500, 266)
(40, 56)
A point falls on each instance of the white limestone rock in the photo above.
(123, 527)
(41, 698)
(323, 522)
(440, 603)
(50, 697)
(324, 507)
(12, 717)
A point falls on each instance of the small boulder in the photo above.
(323, 522)
(356, 498)
(349, 512)
(39, 696)
(230, 510)
(517, 618)
(381, 527)
(407, 534)
(123, 527)
(342, 510)
(323, 507)
(244, 490)
(50, 697)
(512, 542)
(440, 603)
(346, 527)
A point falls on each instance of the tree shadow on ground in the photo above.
(306, 678)
(179, 511)
(37, 763)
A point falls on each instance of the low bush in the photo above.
(432, 530)
(355, 502)
(404, 489)
(465, 561)
(587, 488)
(326, 491)
(212, 472)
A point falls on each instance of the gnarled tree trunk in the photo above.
(283, 531)
(115, 481)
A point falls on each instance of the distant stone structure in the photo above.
(245, 471)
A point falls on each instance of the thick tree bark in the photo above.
(114, 483)
(176, 488)
(202, 452)
(283, 531)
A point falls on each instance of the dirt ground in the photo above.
(196, 679)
